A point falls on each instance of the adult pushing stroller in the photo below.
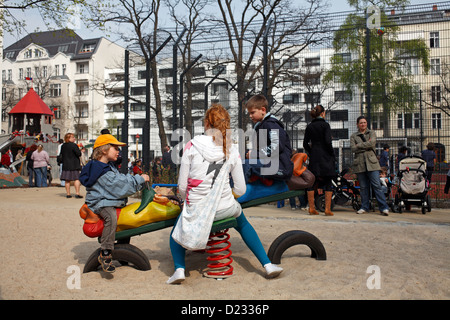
(412, 184)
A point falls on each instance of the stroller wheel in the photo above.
(424, 209)
(428, 203)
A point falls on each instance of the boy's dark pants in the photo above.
(108, 237)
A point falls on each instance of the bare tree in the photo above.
(138, 23)
(288, 37)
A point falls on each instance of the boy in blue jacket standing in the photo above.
(273, 147)
(107, 189)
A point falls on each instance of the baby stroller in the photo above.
(412, 184)
(344, 192)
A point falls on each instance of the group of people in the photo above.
(205, 157)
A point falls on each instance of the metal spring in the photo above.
(219, 269)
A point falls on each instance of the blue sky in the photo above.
(36, 21)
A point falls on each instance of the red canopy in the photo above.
(32, 103)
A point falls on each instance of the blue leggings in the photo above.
(247, 232)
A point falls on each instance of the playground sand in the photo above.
(44, 251)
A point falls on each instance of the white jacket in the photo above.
(201, 162)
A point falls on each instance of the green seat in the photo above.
(217, 225)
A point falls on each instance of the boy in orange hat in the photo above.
(106, 189)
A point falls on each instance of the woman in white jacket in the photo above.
(203, 157)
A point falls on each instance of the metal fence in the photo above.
(324, 60)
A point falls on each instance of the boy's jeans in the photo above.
(367, 180)
(108, 237)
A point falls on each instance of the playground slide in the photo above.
(5, 144)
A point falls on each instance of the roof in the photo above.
(31, 103)
(64, 40)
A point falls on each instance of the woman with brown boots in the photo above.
(318, 146)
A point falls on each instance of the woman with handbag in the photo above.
(204, 184)
(366, 166)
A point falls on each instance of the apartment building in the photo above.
(63, 69)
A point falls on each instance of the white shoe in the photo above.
(385, 212)
(272, 271)
(177, 277)
(360, 211)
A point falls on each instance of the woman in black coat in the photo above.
(318, 146)
(71, 165)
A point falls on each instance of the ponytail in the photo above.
(218, 119)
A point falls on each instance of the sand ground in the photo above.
(44, 251)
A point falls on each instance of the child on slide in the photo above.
(202, 160)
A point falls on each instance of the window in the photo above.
(434, 39)
(28, 54)
(28, 72)
(20, 73)
(37, 73)
(3, 75)
(57, 70)
(310, 62)
(44, 72)
(87, 47)
(165, 73)
(137, 107)
(142, 74)
(291, 98)
(377, 122)
(137, 91)
(436, 121)
(338, 115)
(408, 120)
(9, 54)
(291, 63)
(137, 123)
(9, 74)
(220, 68)
(63, 48)
(82, 89)
(312, 97)
(311, 79)
(37, 53)
(56, 111)
(64, 67)
(219, 88)
(83, 67)
(343, 57)
(339, 134)
(81, 132)
(435, 66)
(82, 110)
(435, 94)
(343, 96)
(55, 90)
(409, 66)
(198, 72)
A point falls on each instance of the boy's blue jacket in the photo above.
(106, 186)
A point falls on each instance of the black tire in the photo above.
(319, 202)
(125, 254)
(428, 203)
(292, 238)
(424, 209)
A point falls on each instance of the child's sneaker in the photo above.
(106, 262)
